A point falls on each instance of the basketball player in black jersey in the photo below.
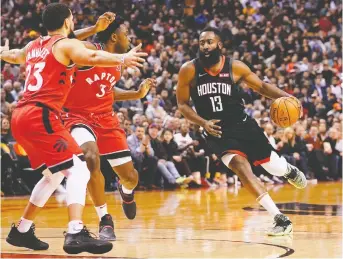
(212, 82)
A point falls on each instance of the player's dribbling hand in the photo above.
(104, 20)
(134, 58)
(145, 86)
(5, 47)
(213, 129)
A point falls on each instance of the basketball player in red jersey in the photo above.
(36, 125)
(96, 128)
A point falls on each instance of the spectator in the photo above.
(269, 131)
(17, 88)
(8, 87)
(5, 106)
(6, 135)
(292, 151)
(165, 166)
(127, 127)
(186, 146)
(331, 152)
(7, 72)
(143, 157)
(154, 110)
(166, 103)
(153, 59)
(173, 152)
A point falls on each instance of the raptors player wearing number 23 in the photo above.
(94, 125)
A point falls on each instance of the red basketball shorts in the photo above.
(39, 130)
(104, 129)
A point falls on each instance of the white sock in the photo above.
(75, 226)
(127, 191)
(101, 210)
(24, 225)
(268, 204)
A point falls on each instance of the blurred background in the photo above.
(296, 45)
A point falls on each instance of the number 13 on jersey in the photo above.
(217, 105)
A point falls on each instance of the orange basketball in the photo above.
(285, 112)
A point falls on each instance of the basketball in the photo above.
(285, 112)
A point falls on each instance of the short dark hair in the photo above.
(216, 31)
(105, 35)
(54, 15)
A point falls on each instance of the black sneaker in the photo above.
(28, 239)
(128, 203)
(84, 242)
(106, 228)
(282, 226)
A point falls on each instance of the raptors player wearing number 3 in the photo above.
(212, 81)
(90, 118)
(37, 126)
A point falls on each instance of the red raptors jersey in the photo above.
(47, 80)
(93, 89)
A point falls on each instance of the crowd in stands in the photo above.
(295, 45)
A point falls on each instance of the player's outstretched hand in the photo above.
(104, 20)
(145, 86)
(5, 47)
(213, 129)
(134, 58)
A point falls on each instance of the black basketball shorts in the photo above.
(244, 138)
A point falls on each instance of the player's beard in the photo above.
(72, 35)
(212, 59)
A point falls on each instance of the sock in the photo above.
(24, 225)
(75, 226)
(126, 191)
(101, 210)
(268, 204)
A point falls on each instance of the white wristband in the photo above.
(122, 59)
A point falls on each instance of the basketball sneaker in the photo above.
(106, 228)
(128, 203)
(28, 239)
(295, 177)
(282, 226)
(84, 242)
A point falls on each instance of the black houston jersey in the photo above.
(217, 96)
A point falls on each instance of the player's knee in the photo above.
(93, 160)
(238, 164)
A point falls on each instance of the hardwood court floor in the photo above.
(220, 223)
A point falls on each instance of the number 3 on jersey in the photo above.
(37, 68)
(217, 105)
(102, 89)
